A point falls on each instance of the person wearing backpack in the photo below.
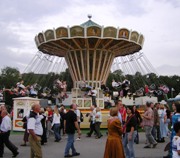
(35, 129)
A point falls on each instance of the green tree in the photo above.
(9, 77)
(109, 81)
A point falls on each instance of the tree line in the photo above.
(9, 77)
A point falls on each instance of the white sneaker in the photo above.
(78, 139)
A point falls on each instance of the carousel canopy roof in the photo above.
(89, 36)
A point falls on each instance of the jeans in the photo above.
(154, 132)
(136, 138)
(49, 130)
(158, 133)
(149, 137)
(56, 129)
(70, 144)
(129, 145)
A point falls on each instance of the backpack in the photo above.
(81, 117)
(24, 120)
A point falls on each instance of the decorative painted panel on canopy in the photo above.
(134, 36)
(76, 31)
(41, 38)
(36, 40)
(123, 33)
(110, 32)
(94, 31)
(141, 39)
(61, 32)
(49, 34)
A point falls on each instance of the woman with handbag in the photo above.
(130, 131)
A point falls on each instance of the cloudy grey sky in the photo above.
(157, 20)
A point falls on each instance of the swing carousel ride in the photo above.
(90, 52)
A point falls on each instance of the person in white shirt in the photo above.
(92, 121)
(94, 94)
(62, 112)
(5, 133)
(98, 118)
(118, 105)
(56, 124)
(107, 102)
(20, 84)
(35, 129)
(78, 113)
(176, 141)
(162, 114)
(116, 84)
(125, 87)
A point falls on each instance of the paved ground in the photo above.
(88, 147)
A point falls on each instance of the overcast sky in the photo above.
(157, 20)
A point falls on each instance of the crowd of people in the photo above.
(154, 121)
(123, 89)
(118, 90)
(123, 124)
(35, 90)
(153, 90)
(61, 87)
